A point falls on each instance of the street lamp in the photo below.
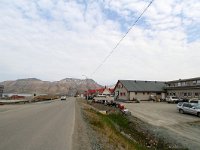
(86, 84)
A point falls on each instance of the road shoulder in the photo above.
(80, 137)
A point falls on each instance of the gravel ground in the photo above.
(165, 122)
(153, 132)
(81, 138)
(88, 138)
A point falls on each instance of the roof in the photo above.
(91, 91)
(143, 86)
(111, 90)
(183, 80)
(100, 91)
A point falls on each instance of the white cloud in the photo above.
(52, 40)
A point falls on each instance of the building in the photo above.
(184, 88)
(102, 91)
(1, 90)
(106, 91)
(140, 90)
(17, 97)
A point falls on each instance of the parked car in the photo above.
(89, 97)
(172, 99)
(63, 98)
(195, 101)
(183, 99)
(189, 108)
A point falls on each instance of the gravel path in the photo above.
(80, 137)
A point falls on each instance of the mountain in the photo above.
(65, 86)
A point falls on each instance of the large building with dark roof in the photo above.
(1, 90)
(184, 88)
(140, 90)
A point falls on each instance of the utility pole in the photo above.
(86, 84)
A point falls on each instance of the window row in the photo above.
(187, 83)
(184, 94)
(122, 94)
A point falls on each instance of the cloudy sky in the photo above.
(55, 39)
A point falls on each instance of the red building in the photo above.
(17, 97)
(102, 91)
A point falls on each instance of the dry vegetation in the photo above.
(112, 138)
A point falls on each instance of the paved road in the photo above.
(38, 126)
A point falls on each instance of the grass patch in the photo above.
(106, 126)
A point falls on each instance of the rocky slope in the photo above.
(65, 86)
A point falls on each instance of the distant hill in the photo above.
(65, 86)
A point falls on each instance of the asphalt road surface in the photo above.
(38, 126)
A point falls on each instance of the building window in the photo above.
(196, 94)
(158, 93)
(179, 83)
(198, 81)
(124, 94)
(143, 93)
(135, 93)
(117, 93)
(121, 94)
(194, 82)
(189, 94)
(185, 94)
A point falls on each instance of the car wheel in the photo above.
(198, 114)
(181, 111)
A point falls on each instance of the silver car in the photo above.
(189, 108)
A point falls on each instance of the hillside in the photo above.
(65, 86)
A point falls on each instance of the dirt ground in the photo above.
(183, 128)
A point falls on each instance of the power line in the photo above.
(110, 53)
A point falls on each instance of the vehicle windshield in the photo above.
(197, 106)
(174, 97)
(193, 101)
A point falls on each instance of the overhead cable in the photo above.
(110, 53)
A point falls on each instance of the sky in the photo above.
(56, 39)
